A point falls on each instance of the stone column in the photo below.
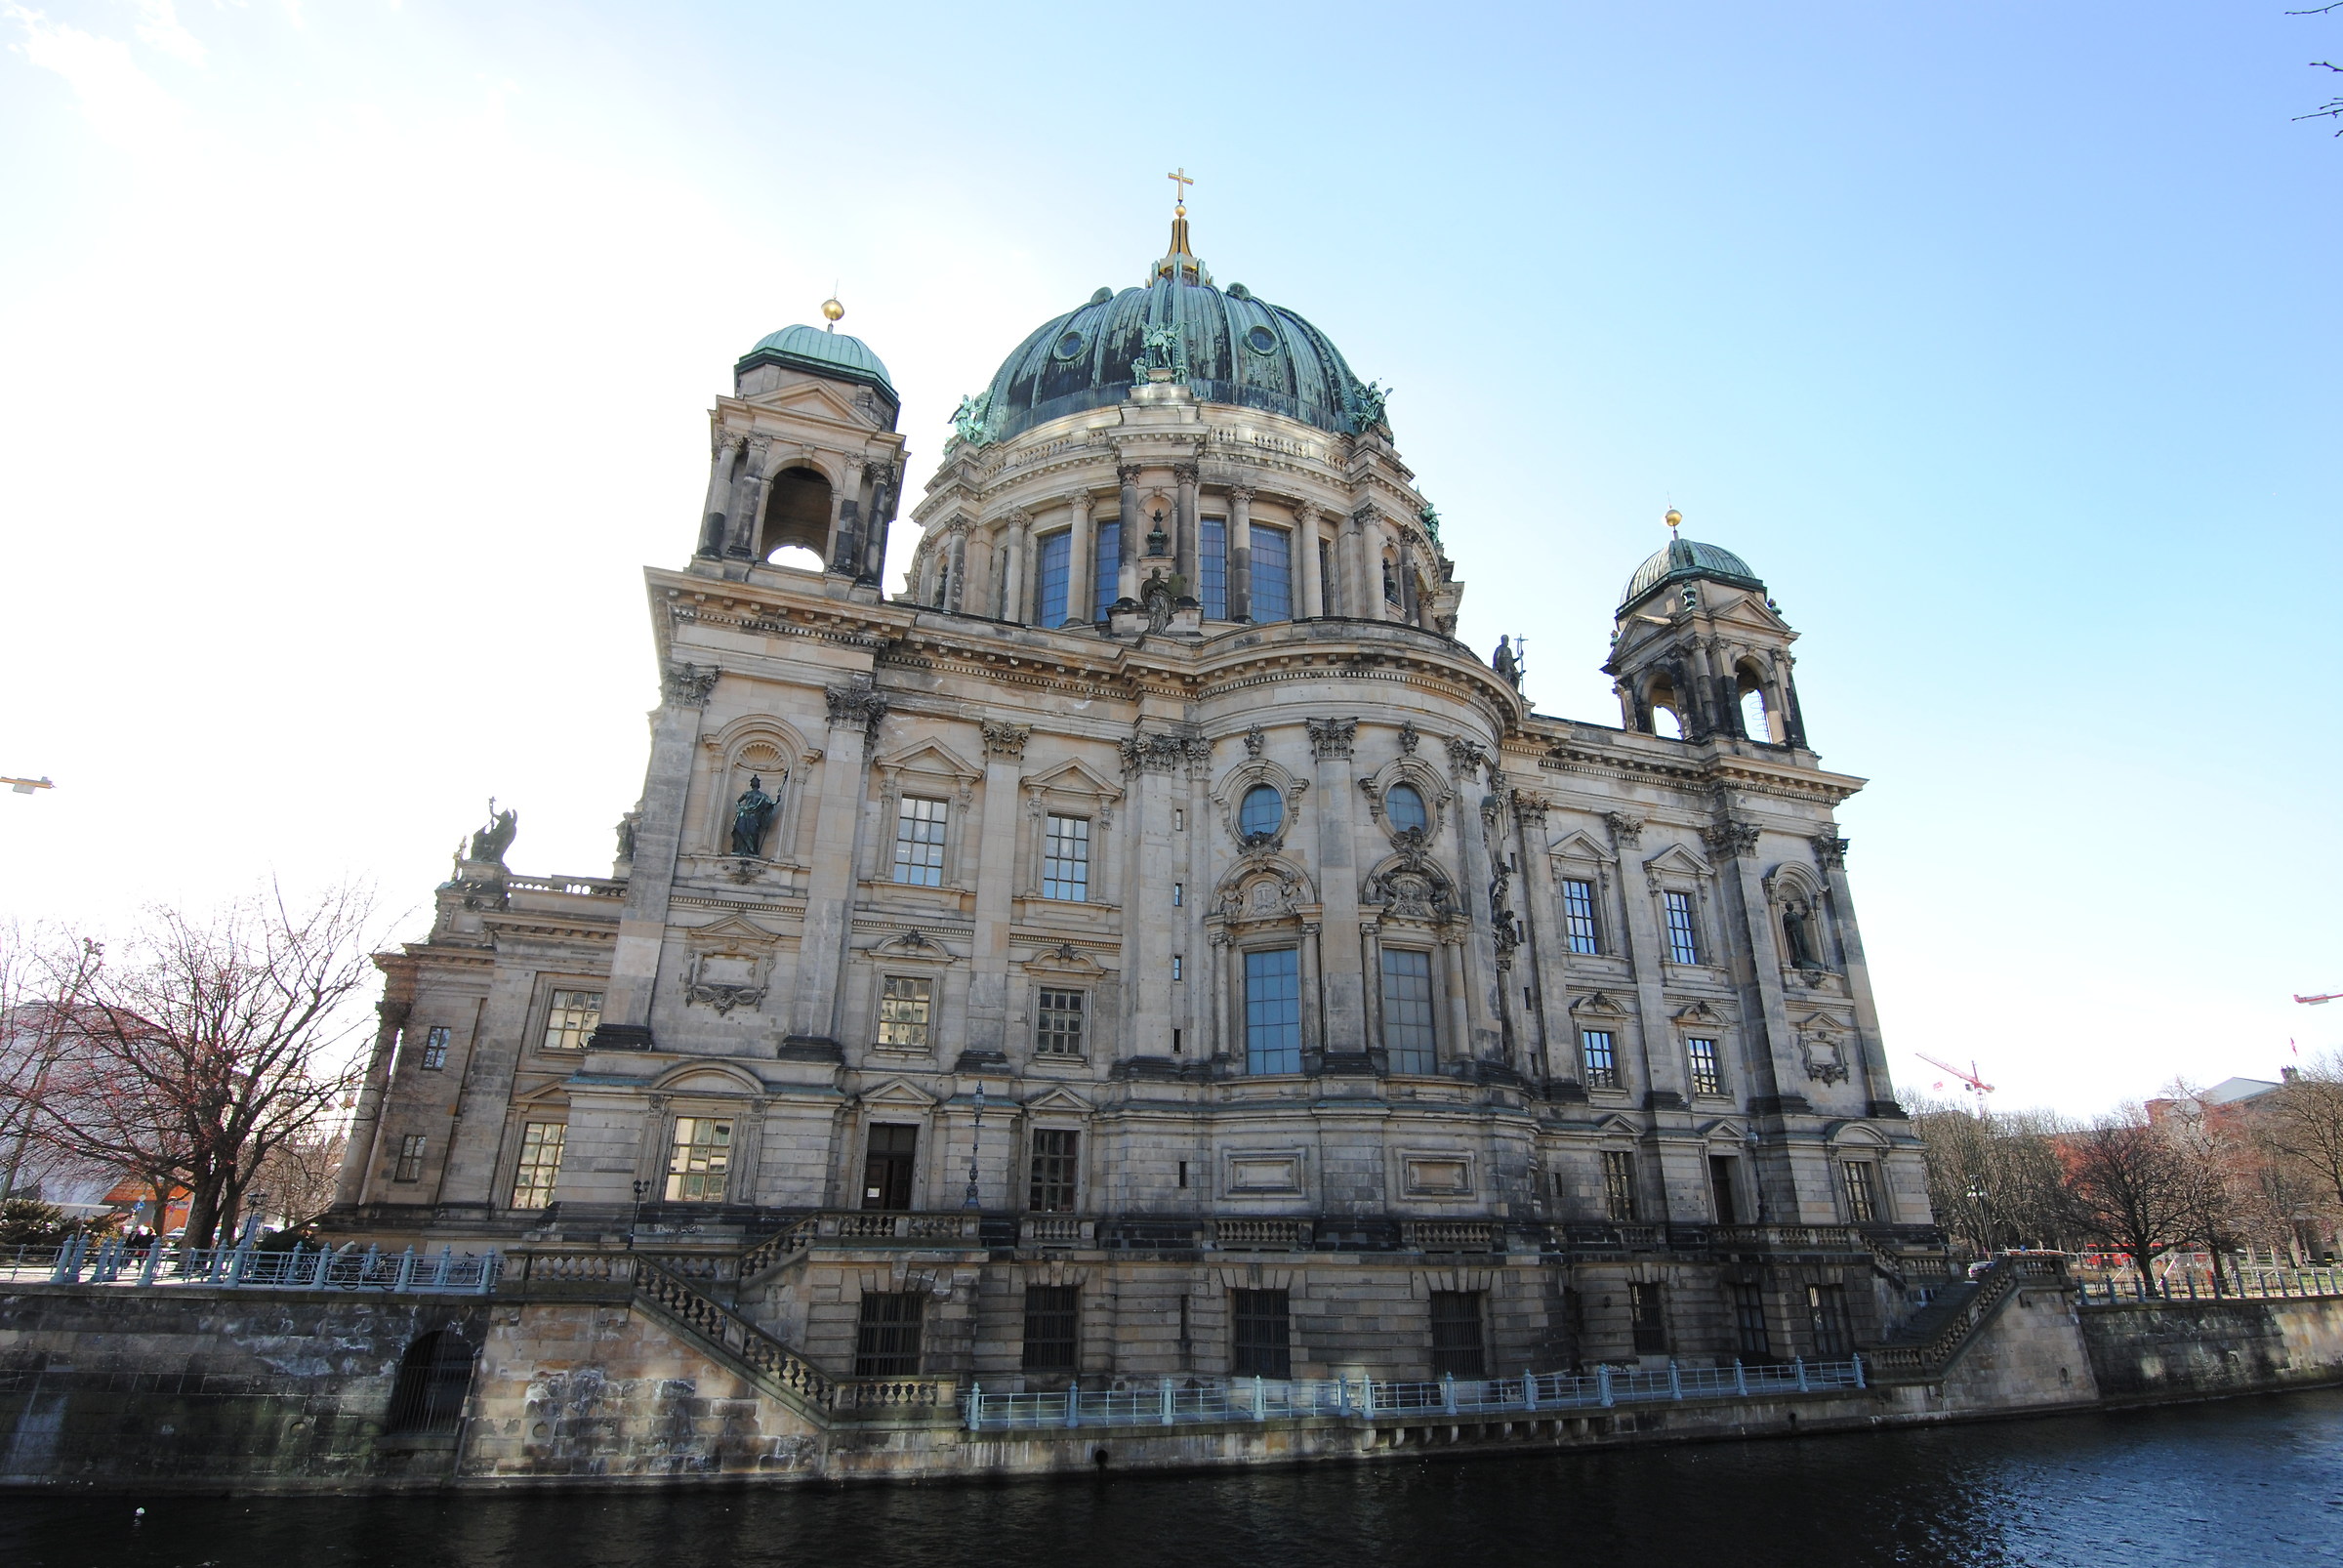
(1013, 579)
(980, 598)
(874, 529)
(1541, 906)
(365, 1123)
(1184, 526)
(658, 840)
(1831, 852)
(1644, 953)
(1406, 582)
(1344, 979)
(1362, 586)
(1240, 553)
(1310, 592)
(956, 557)
(1150, 761)
(1082, 570)
(996, 886)
(1132, 533)
(1466, 757)
(714, 518)
(1313, 994)
(749, 500)
(854, 714)
(1458, 988)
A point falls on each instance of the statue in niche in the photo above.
(491, 841)
(1158, 596)
(752, 816)
(626, 835)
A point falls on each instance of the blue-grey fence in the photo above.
(80, 1260)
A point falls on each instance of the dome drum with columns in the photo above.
(1151, 899)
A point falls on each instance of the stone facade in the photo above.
(1158, 882)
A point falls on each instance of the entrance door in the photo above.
(887, 1166)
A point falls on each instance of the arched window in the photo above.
(1667, 716)
(1262, 811)
(433, 1377)
(1756, 721)
(796, 515)
(1405, 807)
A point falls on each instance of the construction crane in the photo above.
(1976, 1085)
(2316, 1000)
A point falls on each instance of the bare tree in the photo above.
(2332, 108)
(42, 976)
(2303, 1125)
(2128, 1184)
(299, 1176)
(1994, 1179)
(211, 1044)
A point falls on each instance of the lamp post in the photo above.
(976, 1140)
(634, 1221)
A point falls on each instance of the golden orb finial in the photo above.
(1676, 519)
(832, 310)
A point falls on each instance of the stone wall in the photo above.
(2153, 1351)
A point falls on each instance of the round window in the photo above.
(1405, 807)
(1262, 811)
(1261, 340)
(1072, 344)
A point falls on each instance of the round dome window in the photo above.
(1262, 811)
(1405, 807)
(1072, 344)
(1261, 340)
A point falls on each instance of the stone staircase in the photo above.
(1926, 1347)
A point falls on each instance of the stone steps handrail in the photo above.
(777, 1248)
(1928, 1361)
(740, 1340)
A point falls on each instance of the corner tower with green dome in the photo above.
(1144, 946)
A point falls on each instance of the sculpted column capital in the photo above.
(1625, 831)
(1829, 848)
(1241, 494)
(1464, 756)
(851, 706)
(1732, 838)
(1331, 737)
(688, 685)
(1006, 740)
(1128, 473)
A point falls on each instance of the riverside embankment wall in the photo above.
(245, 1390)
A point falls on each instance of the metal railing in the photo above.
(1369, 1399)
(2196, 1285)
(81, 1261)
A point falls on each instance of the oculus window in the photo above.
(1404, 806)
(1261, 812)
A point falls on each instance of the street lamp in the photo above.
(976, 1139)
(641, 1190)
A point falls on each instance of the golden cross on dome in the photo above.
(1180, 182)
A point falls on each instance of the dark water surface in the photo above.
(2250, 1481)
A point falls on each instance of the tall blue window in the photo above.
(1408, 1009)
(1272, 574)
(1272, 1011)
(1105, 568)
(1211, 568)
(1049, 592)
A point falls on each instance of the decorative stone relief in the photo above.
(1625, 831)
(856, 704)
(1825, 1057)
(1157, 753)
(1732, 838)
(1409, 738)
(1829, 848)
(1464, 756)
(690, 686)
(1252, 741)
(1006, 740)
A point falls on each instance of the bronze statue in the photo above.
(1506, 665)
(491, 841)
(752, 814)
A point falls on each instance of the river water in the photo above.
(2248, 1481)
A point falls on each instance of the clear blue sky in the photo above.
(354, 357)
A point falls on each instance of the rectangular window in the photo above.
(1052, 1190)
(1707, 1074)
(1826, 1321)
(1601, 1057)
(1749, 1322)
(540, 1164)
(700, 1160)
(1061, 1030)
(1066, 858)
(1106, 567)
(887, 1166)
(887, 1337)
(1863, 1197)
(1648, 1305)
(1456, 1348)
(1052, 1327)
(1050, 578)
(410, 1158)
(920, 842)
(1211, 568)
(435, 1047)
(1272, 1011)
(1723, 1189)
(905, 1005)
(1683, 942)
(1264, 1338)
(572, 1020)
(1326, 578)
(1176, 966)
(1407, 1011)
(1272, 574)
(1577, 916)
(1619, 1183)
(1179, 894)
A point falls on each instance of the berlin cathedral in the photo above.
(1144, 942)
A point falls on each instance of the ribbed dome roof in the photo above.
(1237, 348)
(1687, 557)
(825, 353)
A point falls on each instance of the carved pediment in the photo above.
(915, 944)
(898, 1094)
(1678, 860)
(708, 1078)
(1699, 1012)
(1065, 959)
(1059, 1099)
(1073, 777)
(1596, 1005)
(931, 756)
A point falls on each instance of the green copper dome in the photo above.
(1225, 345)
(1684, 559)
(824, 352)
